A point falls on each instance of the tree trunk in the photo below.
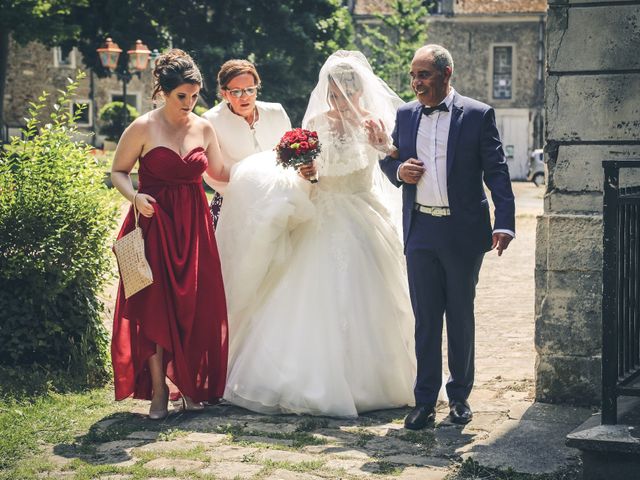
(4, 58)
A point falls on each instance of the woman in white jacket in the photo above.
(243, 124)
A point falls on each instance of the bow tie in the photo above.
(429, 110)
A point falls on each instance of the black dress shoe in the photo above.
(420, 417)
(460, 412)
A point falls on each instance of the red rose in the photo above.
(297, 145)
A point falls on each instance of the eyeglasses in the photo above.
(238, 92)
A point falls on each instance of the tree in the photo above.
(287, 40)
(124, 21)
(391, 43)
(28, 20)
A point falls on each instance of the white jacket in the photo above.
(238, 140)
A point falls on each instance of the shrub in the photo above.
(200, 110)
(55, 218)
(112, 119)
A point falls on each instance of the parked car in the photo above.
(537, 170)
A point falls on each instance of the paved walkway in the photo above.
(508, 430)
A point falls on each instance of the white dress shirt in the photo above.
(238, 140)
(431, 147)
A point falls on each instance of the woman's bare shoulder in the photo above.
(200, 123)
(142, 123)
(208, 132)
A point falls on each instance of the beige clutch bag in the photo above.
(135, 271)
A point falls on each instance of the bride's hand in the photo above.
(308, 171)
(143, 204)
(378, 137)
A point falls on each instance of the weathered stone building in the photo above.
(593, 114)
(498, 51)
(34, 68)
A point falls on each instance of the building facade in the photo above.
(498, 52)
(34, 68)
(593, 114)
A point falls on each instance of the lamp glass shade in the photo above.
(109, 54)
(139, 56)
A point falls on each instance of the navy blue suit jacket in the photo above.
(474, 154)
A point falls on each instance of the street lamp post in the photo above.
(138, 60)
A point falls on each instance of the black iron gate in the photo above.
(621, 289)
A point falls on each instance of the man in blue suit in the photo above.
(447, 145)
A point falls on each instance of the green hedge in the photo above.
(200, 110)
(56, 220)
(112, 121)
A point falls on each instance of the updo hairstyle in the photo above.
(172, 69)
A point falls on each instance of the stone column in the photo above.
(592, 98)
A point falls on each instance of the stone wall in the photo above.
(470, 42)
(32, 70)
(593, 113)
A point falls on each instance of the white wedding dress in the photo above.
(320, 320)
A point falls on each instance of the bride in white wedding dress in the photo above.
(320, 320)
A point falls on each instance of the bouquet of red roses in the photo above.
(298, 147)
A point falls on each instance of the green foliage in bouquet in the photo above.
(112, 119)
(56, 217)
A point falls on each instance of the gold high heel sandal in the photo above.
(159, 414)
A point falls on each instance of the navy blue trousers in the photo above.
(442, 284)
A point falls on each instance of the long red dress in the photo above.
(184, 310)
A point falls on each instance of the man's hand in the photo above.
(411, 171)
(501, 241)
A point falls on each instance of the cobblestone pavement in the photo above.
(227, 442)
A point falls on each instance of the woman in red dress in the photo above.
(176, 327)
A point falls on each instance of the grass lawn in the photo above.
(28, 423)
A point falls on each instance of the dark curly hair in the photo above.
(172, 69)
